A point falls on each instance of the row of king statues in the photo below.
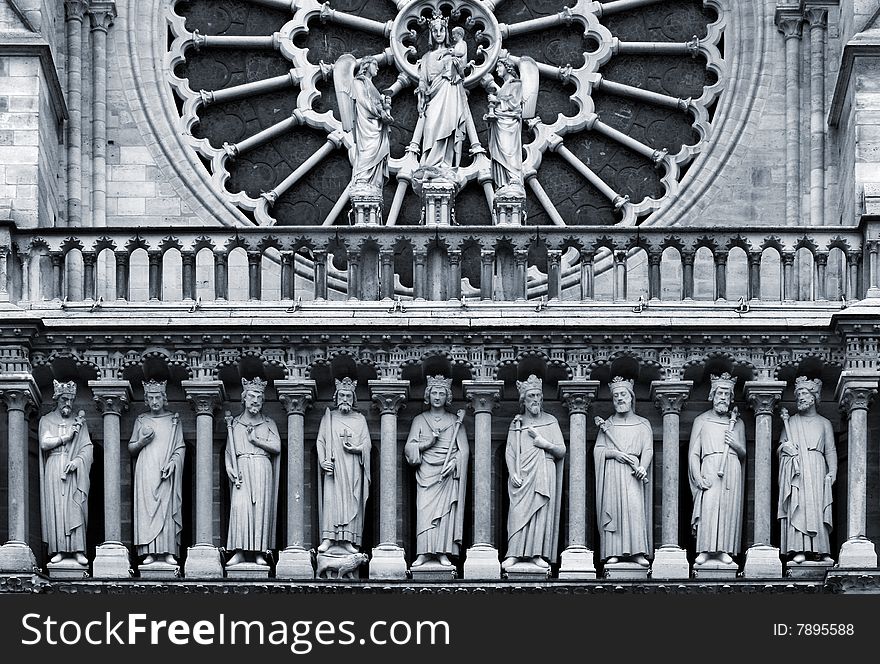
(437, 448)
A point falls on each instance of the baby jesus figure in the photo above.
(458, 55)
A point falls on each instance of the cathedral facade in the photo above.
(255, 231)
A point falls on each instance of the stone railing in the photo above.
(432, 263)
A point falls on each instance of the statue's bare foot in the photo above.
(509, 562)
(725, 558)
(612, 560)
(420, 560)
(798, 558)
(640, 559)
(349, 547)
(702, 558)
(148, 560)
(444, 560)
(827, 559)
(325, 545)
(540, 562)
(57, 558)
(237, 558)
(81, 558)
(170, 559)
(260, 559)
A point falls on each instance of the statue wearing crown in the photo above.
(343, 448)
(807, 472)
(623, 453)
(716, 457)
(534, 454)
(158, 449)
(437, 446)
(65, 463)
(252, 454)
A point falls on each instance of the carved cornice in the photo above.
(670, 395)
(483, 395)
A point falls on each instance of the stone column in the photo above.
(454, 288)
(487, 274)
(577, 560)
(670, 560)
(855, 390)
(482, 560)
(790, 22)
(75, 11)
(388, 561)
(203, 558)
(102, 15)
(112, 557)
(762, 559)
(817, 18)
(873, 269)
(386, 289)
(20, 394)
(420, 274)
(295, 562)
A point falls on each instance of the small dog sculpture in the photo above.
(343, 566)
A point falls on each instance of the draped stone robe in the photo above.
(446, 110)
(344, 492)
(718, 511)
(505, 135)
(158, 518)
(623, 502)
(533, 516)
(64, 503)
(370, 134)
(805, 497)
(253, 506)
(439, 500)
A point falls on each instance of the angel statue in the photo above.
(509, 104)
(366, 113)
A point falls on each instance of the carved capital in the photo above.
(102, 15)
(296, 396)
(205, 396)
(389, 396)
(112, 397)
(816, 17)
(670, 395)
(20, 395)
(483, 395)
(856, 389)
(763, 396)
(790, 22)
(75, 10)
(578, 395)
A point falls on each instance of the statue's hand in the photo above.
(351, 447)
(327, 466)
(640, 473)
(235, 480)
(532, 433)
(704, 483)
(70, 468)
(517, 481)
(448, 468)
(830, 476)
(788, 449)
(168, 470)
(728, 438)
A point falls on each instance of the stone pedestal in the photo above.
(112, 562)
(715, 569)
(17, 557)
(67, 569)
(626, 571)
(527, 571)
(670, 562)
(247, 571)
(388, 563)
(858, 552)
(437, 188)
(434, 571)
(809, 569)
(295, 562)
(762, 562)
(482, 563)
(577, 564)
(366, 204)
(203, 562)
(510, 208)
(159, 570)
